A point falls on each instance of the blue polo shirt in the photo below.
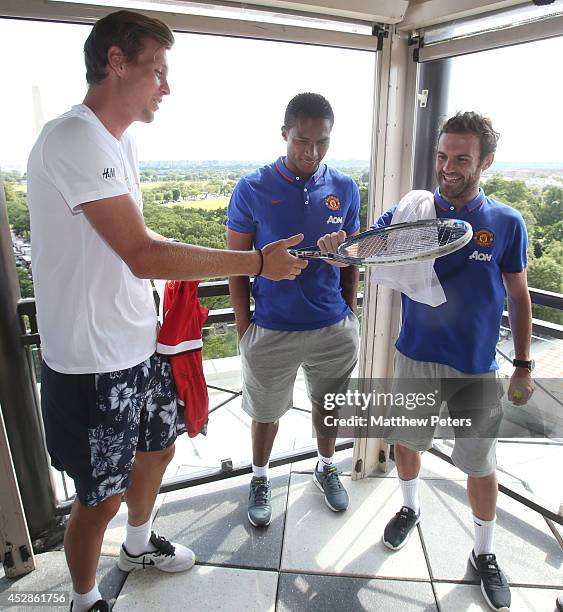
(273, 203)
(463, 332)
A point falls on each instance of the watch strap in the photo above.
(523, 363)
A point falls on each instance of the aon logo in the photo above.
(334, 219)
(481, 256)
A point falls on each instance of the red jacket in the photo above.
(180, 339)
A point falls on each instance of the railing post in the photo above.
(19, 399)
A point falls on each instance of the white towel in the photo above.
(417, 280)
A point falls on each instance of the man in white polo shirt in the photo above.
(108, 402)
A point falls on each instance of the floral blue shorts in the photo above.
(95, 423)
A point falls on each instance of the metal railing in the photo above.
(30, 338)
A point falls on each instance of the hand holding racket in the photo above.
(329, 243)
(393, 244)
(277, 261)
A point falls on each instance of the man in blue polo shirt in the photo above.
(309, 323)
(454, 343)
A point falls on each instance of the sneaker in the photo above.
(167, 557)
(494, 584)
(259, 506)
(398, 530)
(336, 497)
(100, 606)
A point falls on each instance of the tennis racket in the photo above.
(398, 244)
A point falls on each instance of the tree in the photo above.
(550, 210)
(18, 213)
(546, 273)
(26, 282)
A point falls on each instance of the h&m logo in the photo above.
(108, 173)
(481, 256)
(334, 219)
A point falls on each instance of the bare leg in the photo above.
(326, 446)
(146, 478)
(407, 461)
(263, 436)
(482, 493)
(83, 540)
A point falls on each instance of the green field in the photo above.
(211, 204)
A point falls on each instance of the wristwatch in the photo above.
(523, 363)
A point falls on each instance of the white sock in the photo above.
(261, 471)
(137, 540)
(410, 493)
(82, 601)
(323, 461)
(484, 536)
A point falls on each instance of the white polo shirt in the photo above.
(94, 315)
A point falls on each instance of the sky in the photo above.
(229, 95)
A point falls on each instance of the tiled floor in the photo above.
(312, 560)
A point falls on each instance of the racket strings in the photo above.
(403, 241)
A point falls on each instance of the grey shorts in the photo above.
(474, 453)
(271, 358)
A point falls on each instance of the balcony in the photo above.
(310, 558)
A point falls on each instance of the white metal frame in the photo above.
(392, 163)
(194, 24)
(424, 13)
(14, 535)
(538, 30)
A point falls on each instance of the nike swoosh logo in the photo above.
(276, 201)
(143, 562)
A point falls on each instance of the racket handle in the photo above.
(311, 253)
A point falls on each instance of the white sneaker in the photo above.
(167, 557)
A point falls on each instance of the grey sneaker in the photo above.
(259, 506)
(336, 497)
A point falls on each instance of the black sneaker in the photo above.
(259, 506)
(100, 606)
(494, 585)
(399, 528)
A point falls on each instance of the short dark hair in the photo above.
(473, 123)
(309, 105)
(126, 30)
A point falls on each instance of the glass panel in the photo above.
(516, 89)
(222, 121)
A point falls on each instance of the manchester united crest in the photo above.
(332, 202)
(484, 237)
